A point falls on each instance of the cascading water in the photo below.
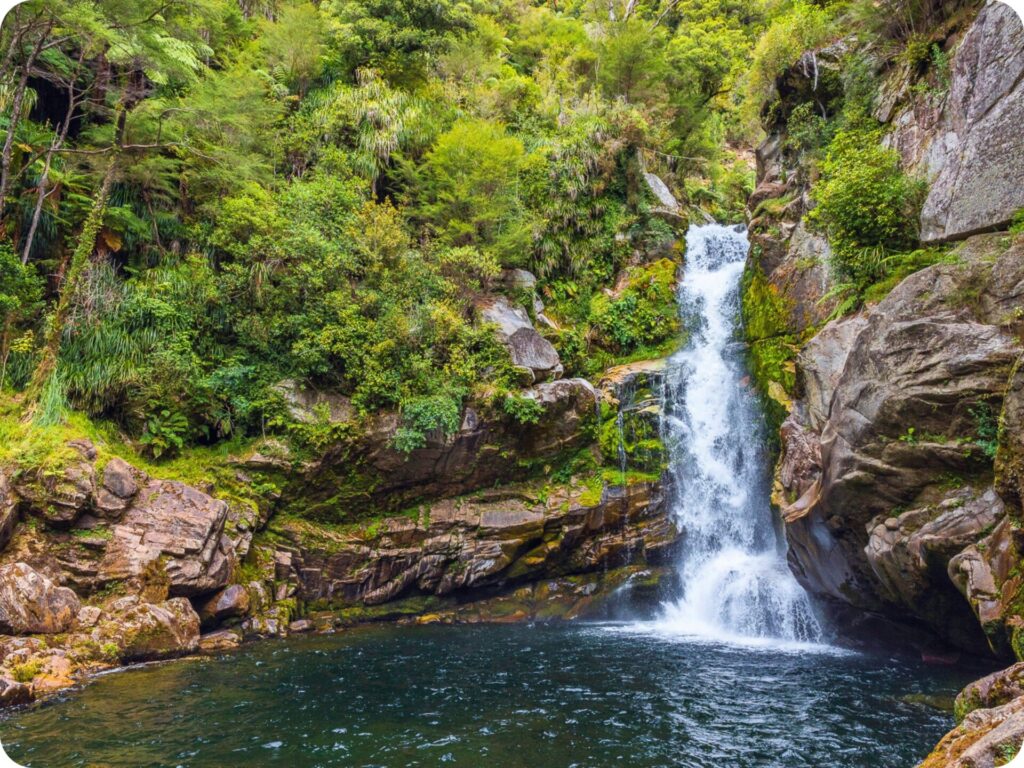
(733, 571)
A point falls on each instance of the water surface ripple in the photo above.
(505, 696)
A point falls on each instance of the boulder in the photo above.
(219, 641)
(60, 497)
(176, 526)
(13, 693)
(30, 603)
(991, 691)
(147, 631)
(984, 739)
(975, 158)
(118, 488)
(527, 348)
(231, 602)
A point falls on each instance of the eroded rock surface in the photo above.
(899, 407)
(974, 157)
(30, 603)
(476, 543)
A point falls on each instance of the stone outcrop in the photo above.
(899, 405)
(489, 541)
(490, 446)
(530, 352)
(30, 603)
(973, 156)
(126, 527)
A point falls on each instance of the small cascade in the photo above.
(732, 568)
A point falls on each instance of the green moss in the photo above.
(631, 477)
(396, 609)
(591, 497)
(765, 312)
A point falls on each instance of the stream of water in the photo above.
(735, 580)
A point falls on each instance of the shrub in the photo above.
(866, 205)
(644, 313)
(525, 410)
(422, 415)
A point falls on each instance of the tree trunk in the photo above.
(56, 144)
(5, 350)
(79, 260)
(19, 97)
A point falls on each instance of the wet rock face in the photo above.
(30, 603)
(896, 405)
(975, 156)
(480, 544)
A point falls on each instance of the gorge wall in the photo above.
(899, 475)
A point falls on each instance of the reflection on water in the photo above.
(502, 696)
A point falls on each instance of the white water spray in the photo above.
(734, 576)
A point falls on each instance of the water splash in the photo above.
(735, 580)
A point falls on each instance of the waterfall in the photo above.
(732, 568)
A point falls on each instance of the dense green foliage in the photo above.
(866, 205)
(200, 201)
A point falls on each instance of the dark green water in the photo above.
(544, 697)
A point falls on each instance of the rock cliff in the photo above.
(104, 563)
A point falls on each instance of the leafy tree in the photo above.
(470, 188)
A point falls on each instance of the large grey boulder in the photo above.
(30, 603)
(527, 348)
(975, 158)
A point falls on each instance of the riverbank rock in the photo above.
(147, 631)
(990, 729)
(13, 693)
(897, 420)
(30, 603)
(220, 641)
(490, 540)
